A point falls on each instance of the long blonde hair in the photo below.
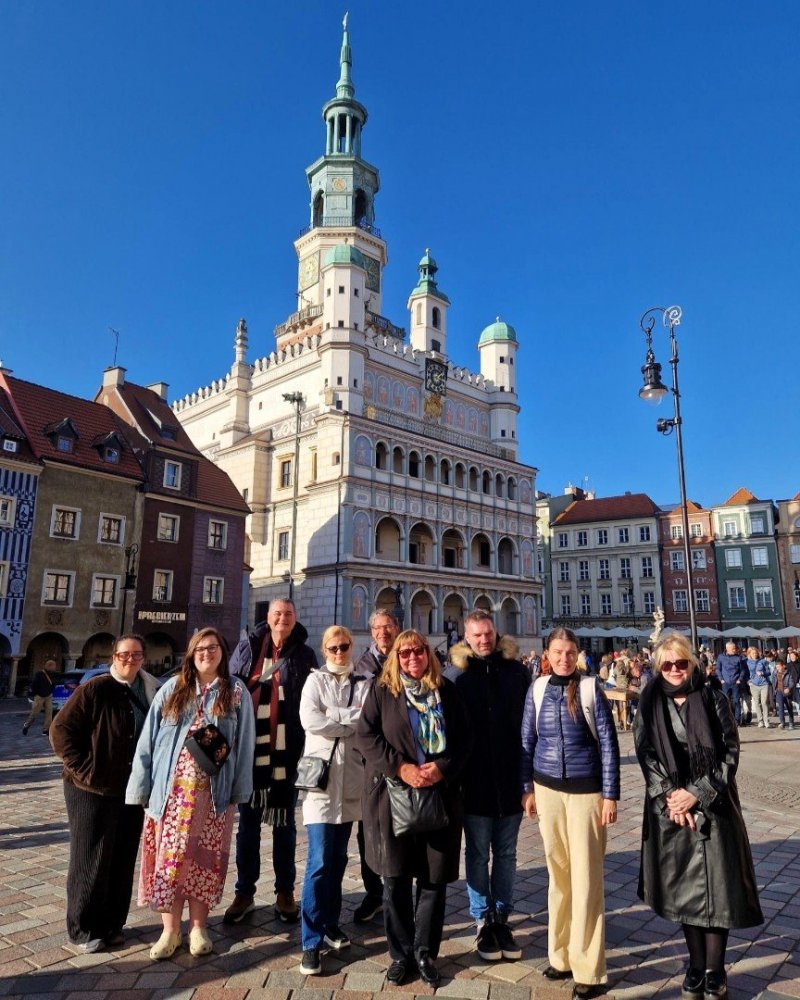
(390, 674)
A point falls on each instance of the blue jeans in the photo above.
(491, 894)
(322, 885)
(734, 697)
(784, 702)
(248, 851)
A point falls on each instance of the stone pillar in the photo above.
(336, 134)
(348, 142)
(329, 137)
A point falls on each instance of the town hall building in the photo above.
(378, 473)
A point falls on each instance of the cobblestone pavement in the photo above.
(259, 960)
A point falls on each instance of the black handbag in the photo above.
(415, 810)
(313, 773)
(209, 748)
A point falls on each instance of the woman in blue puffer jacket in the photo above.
(570, 777)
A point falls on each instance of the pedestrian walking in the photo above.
(193, 764)
(696, 865)
(42, 692)
(731, 669)
(759, 682)
(786, 681)
(95, 735)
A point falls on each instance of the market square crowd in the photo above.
(418, 755)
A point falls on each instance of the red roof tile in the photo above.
(36, 407)
(9, 427)
(742, 495)
(691, 508)
(629, 505)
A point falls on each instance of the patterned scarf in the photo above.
(273, 792)
(432, 737)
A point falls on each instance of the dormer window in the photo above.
(109, 447)
(172, 475)
(9, 445)
(63, 435)
(65, 444)
(111, 455)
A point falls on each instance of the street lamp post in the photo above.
(296, 399)
(130, 580)
(653, 391)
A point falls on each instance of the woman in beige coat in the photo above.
(330, 706)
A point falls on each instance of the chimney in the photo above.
(160, 389)
(113, 377)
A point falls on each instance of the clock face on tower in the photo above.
(339, 184)
(436, 377)
(309, 270)
(373, 273)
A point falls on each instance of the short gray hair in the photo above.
(381, 613)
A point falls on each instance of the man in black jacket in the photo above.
(42, 691)
(493, 684)
(274, 662)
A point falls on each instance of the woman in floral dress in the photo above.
(189, 795)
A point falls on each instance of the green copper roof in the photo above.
(344, 253)
(344, 87)
(427, 278)
(498, 331)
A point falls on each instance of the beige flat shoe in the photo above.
(199, 942)
(165, 947)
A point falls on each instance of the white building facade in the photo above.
(378, 473)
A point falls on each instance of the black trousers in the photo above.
(413, 927)
(373, 884)
(104, 838)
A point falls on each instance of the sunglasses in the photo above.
(135, 657)
(417, 651)
(341, 648)
(674, 665)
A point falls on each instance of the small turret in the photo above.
(428, 306)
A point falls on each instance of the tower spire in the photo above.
(345, 88)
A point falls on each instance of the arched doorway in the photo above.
(96, 650)
(482, 603)
(389, 600)
(388, 540)
(422, 612)
(509, 617)
(454, 609)
(159, 653)
(47, 646)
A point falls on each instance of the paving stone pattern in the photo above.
(259, 960)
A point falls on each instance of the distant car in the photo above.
(101, 668)
(65, 684)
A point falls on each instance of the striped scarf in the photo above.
(273, 791)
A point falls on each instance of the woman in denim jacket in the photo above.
(189, 814)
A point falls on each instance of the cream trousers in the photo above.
(574, 846)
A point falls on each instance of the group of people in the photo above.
(419, 755)
(754, 684)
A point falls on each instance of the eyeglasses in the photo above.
(417, 651)
(674, 665)
(383, 628)
(208, 650)
(136, 657)
(341, 648)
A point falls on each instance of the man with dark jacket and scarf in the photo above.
(493, 684)
(274, 662)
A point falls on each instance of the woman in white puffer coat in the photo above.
(330, 706)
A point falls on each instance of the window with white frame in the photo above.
(283, 545)
(566, 605)
(794, 553)
(702, 601)
(733, 558)
(172, 475)
(676, 560)
(627, 602)
(680, 601)
(65, 522)
(644, 532)
(7, 507)
(563, 572)
(647, 566)
(111, 529)
(602, 536)
(757, 524)
(162, 585)
(104, 591)
(737, 599)
(625, 568)
(217, 534)
(758, 554)
(729, 529)
(797, 599)
(603, 571)
(605, 604)
(3, 578)
(698, 558)
(676, 531)
(563, 540)
(623, 536)
(168, 527)
(583, 539)
(583, 569)
(586, 604)
(696, 529)
(58, 587)
(762, 593)
(212, 589)
(649, 601)
(286, 472)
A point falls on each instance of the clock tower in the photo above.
(342, 206)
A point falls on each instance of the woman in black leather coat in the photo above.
(696, 865)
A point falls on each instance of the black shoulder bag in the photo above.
(313, 772)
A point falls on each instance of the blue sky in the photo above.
(569, 163)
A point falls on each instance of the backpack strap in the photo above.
(538, 695)
(587, 691)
